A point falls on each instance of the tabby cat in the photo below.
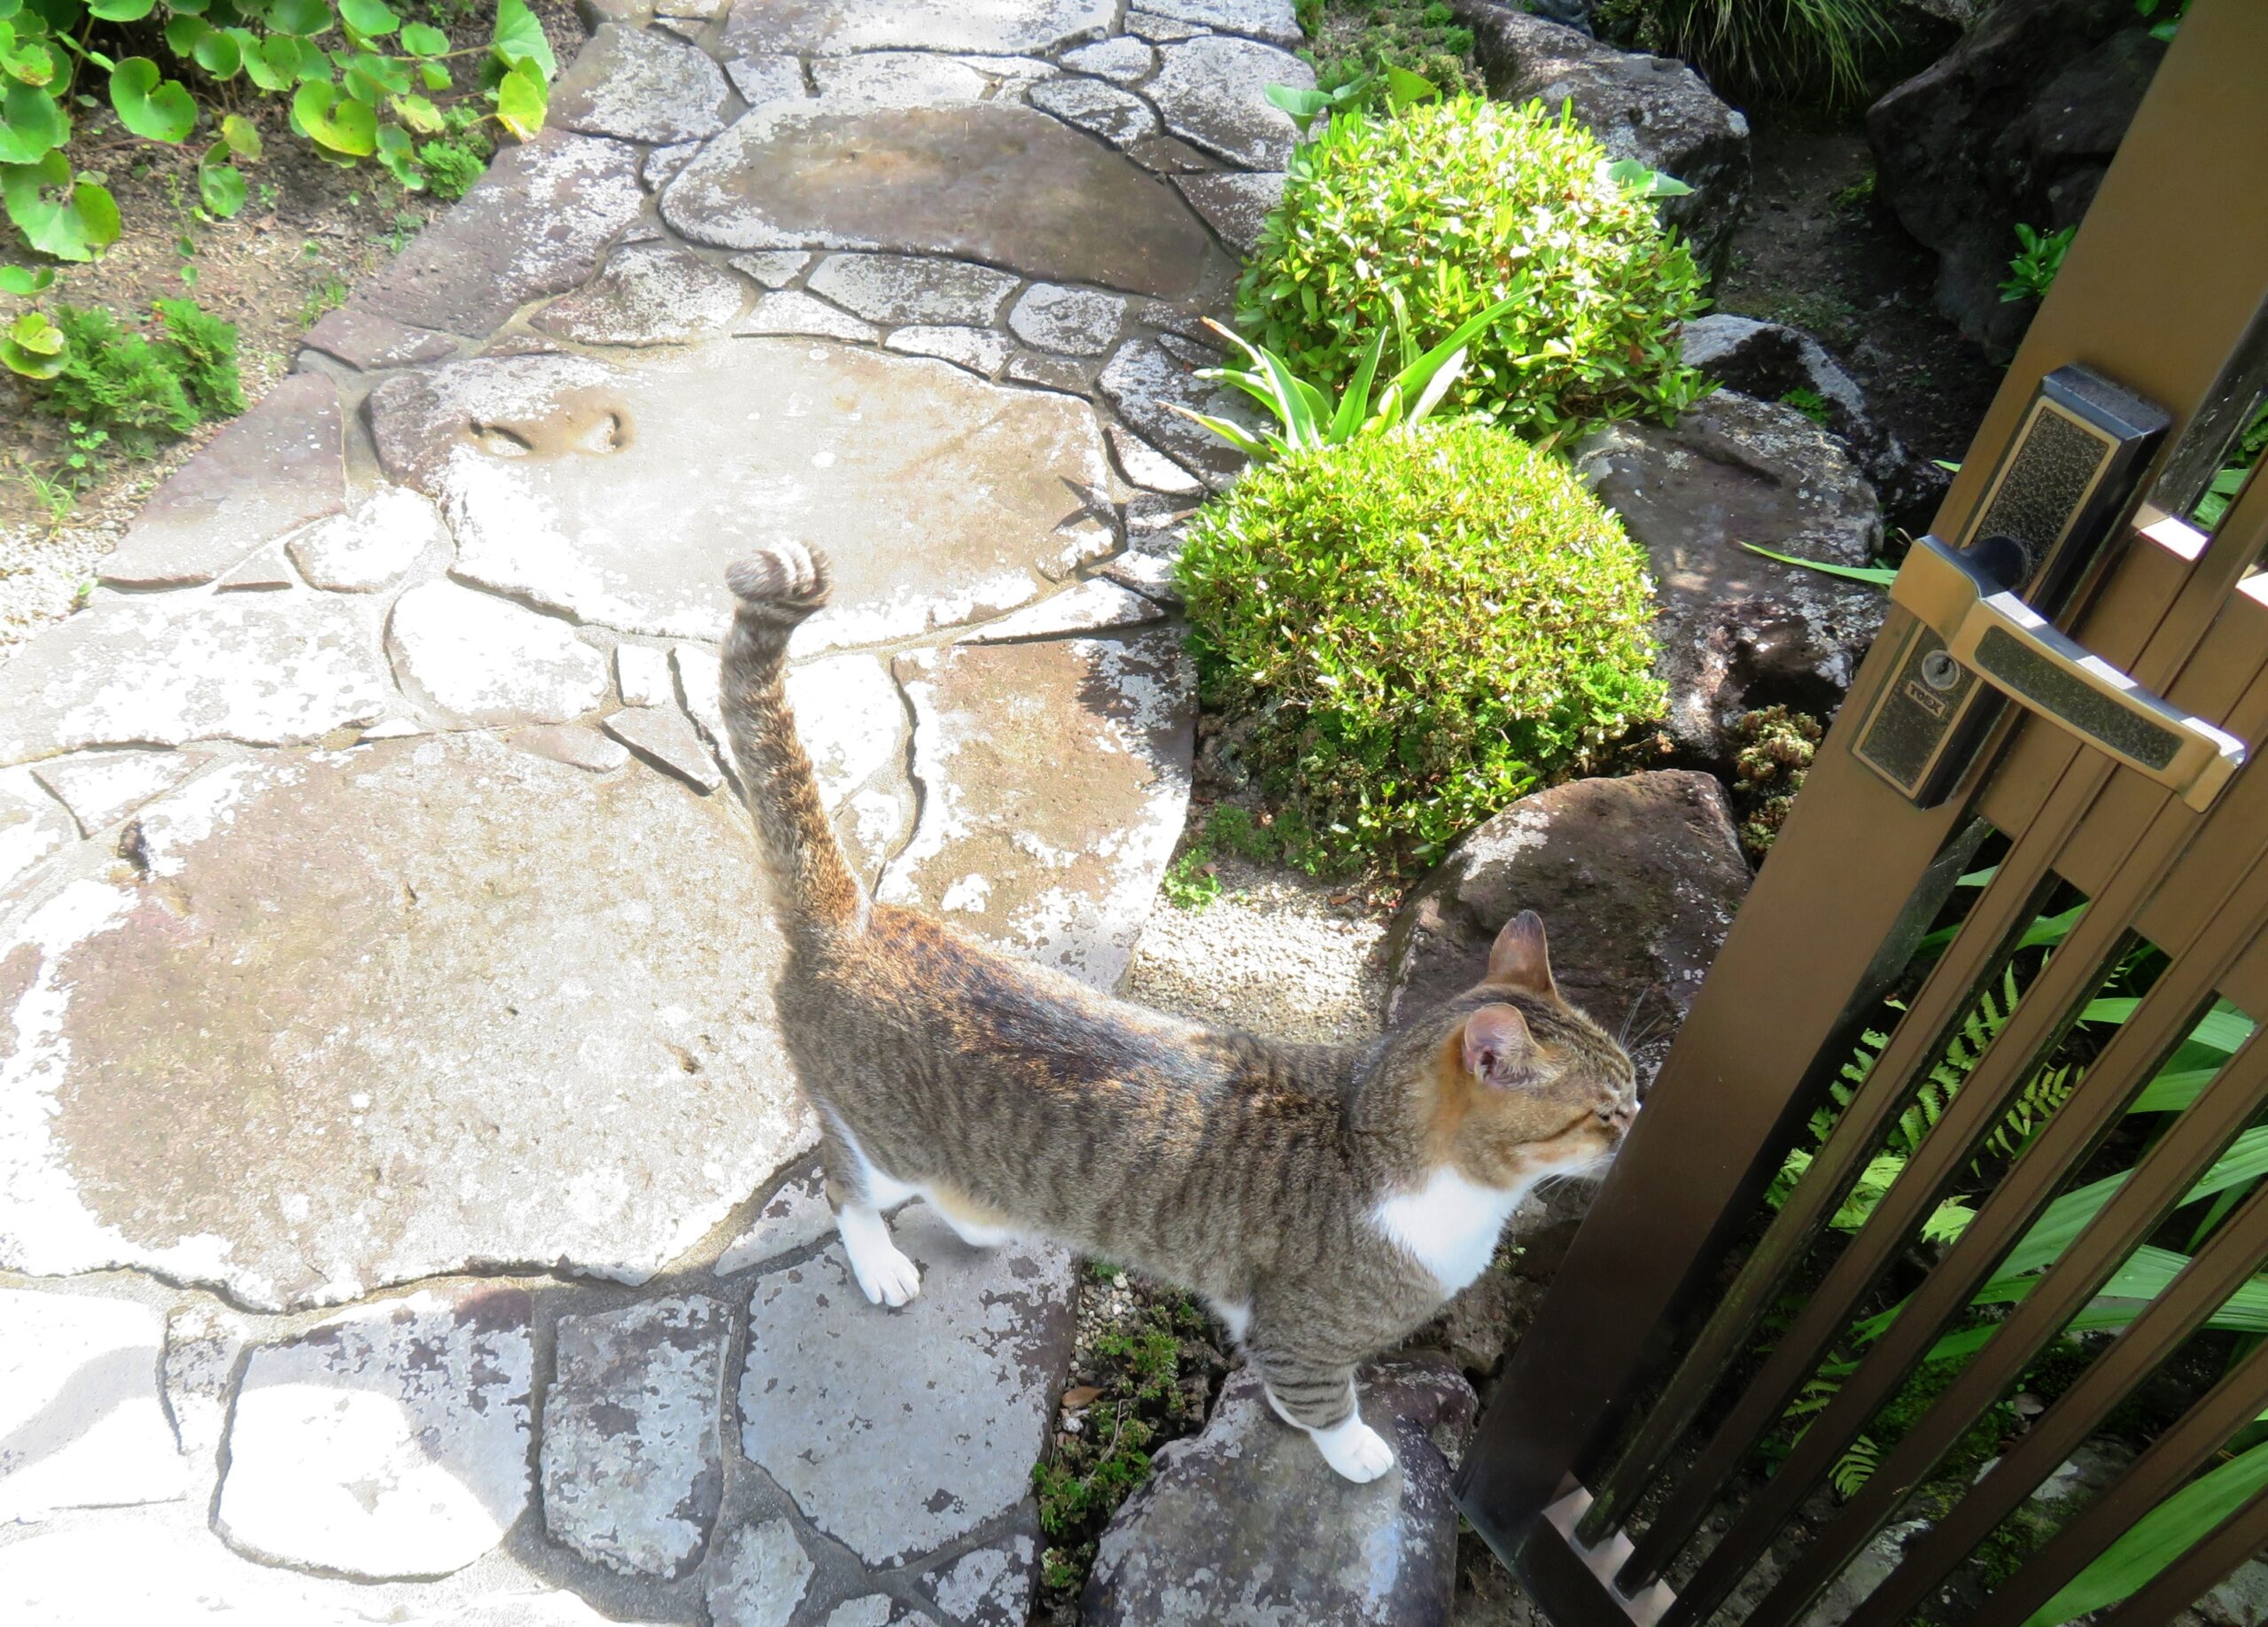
(1324, 1200)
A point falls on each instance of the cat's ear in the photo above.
(1498, 1049)
(1520, 959)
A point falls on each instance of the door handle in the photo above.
(1996, 635)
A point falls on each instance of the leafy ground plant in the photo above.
(1348, 38)
(120, 392)
(362, 83)
(2039, 257)
(1781, 48)
(1462, 205)
(1412, 629)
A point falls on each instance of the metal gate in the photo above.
(1692, 1320)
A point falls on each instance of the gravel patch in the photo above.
(1272, 955)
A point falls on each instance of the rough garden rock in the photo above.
(632, 1465)
(364, 339)
(641, 674)
(1235, 205)
(793, 1217)
(1245, 1525)
(775, 269)
(1091, 607)
(476, 658)
(898, 1431)
(31, 827)
(1265, 20)
(992, 1585)
(760, 1577)
(203, 1341)
(1074, 322)
(835, 27)
(1637, 880)
(265, 668)
(101, 788)
(1213, 91)
(81, 1424)
(897, 289)
(1653, 109)
(371, 545)
(1118, 59)
(980, 350)
(795, 312)
(950, 175)
(1145, 383)
(537, 223)
(1768, 360)
(939, 496)
(665, 737)
(387, 994)
(1055, 778)
(576, 744)
(634, 84)
(649, 293)
(2018, 121)
(276, 468)
(897, 81)
(1119, 117)
(392, 1442)
(1738, 631)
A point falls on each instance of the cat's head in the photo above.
(1524, 1086)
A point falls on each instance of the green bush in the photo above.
(1804, 49)
(1459, 203)
(134, 393)
(1414, 629)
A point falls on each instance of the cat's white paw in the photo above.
(887, 1277)
(1357, 1452)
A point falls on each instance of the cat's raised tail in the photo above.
(776, 590)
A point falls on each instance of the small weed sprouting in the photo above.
(328, 296)
(1854, 198)
(2032, 272)
(1776, 751)
(1811, 403)
(1189, 881)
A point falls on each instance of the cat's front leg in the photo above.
(1321, 1400)
(885, 1275)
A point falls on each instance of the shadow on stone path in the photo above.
(405, 1212)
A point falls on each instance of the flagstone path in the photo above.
(406, 1214)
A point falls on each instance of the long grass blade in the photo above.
(1355, 404)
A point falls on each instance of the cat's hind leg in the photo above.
(1318, 1396)
(857, 1191)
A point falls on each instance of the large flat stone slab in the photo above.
(1212, 90)
(650, 294)
(836, 27)
(899, 1431)
(81, 1422)
(423, 1005)
(392, 1442)
(476, 658)
(278, 467)
(633, 1466)
(995, 182)
(32, 826)
(1245, 1525)
(265, 668)
(760, 1577)
(617, 494)
(640, 86)
(538, 223)
(1145, 382)
(1056, 779)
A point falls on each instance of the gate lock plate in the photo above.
(1984, 602)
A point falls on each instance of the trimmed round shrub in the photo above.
(1457, 205)
(1411, 630)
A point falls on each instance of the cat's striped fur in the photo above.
(1324, 1201)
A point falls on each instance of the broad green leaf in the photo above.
(32, 124)
(2224, 1029)
(337, 124)
(242, 136)
(434, 76)
(1403, 88)
(262, 68)
(396, 152)
(370, 19)
(24, 280)
(121, 11)
(521, 98)
(1235, 435)
(97, 213)
(219, 55)
(1356, 401)
(49, 226)
(519, 38)
(372, 78)
(1301, 104)
(2174, 1090)
(221, 187)
(189, 8)
(183, 32)
(304, 17)
(158, 110)
(33, 347)
(1438, 386)
(2158, 1538)
(423, 40)
(28, 63)
(418, 114)
(1415, 376)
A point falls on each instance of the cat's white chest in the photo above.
(1450, 1224)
